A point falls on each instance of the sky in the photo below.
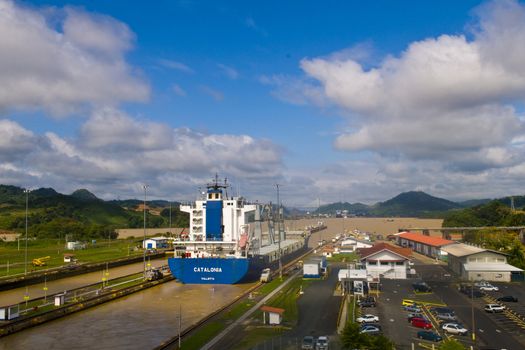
(332, 100)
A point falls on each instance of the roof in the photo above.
(428, 240)
(461, 249)
(403, 252)
(491, 267)
(276, 310)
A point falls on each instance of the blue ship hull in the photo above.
(209, 270)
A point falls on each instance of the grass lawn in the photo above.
(285, 299)
(55, 249)
(343, 257)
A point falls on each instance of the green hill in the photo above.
(414, 203)
(52, 214)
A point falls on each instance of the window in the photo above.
(384, 263)
(399, 263)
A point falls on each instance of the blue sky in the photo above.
(336, 100)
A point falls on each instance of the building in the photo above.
(275, 315)
(426, 245)
(155, 243)
(350, 244)
(476, 264)
(386, 261)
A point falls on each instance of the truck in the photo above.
(266, 276)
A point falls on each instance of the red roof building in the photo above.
(426, 245)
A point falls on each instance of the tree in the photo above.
(352, 338)
(451, 344)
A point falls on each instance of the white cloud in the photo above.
(61, 70)
(171, 64)
(179, 91)
(229, 72)
(114, 151)
(447, 98)
(213, 93)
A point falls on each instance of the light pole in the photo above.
(26, 191)
(144, 242)
(279, 230)
(170, 219)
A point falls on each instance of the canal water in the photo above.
(138, 321)
(16, 295)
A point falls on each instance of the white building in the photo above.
(350, 244)
(476, 264)
(386, 261)
(155, 243)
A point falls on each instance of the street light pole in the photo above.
(144, 242)
(279, 230)
(25, 255)
(472, 313)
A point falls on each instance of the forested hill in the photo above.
(494, 213)
(414, 203)
(52, 214)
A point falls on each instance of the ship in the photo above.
(222, 247)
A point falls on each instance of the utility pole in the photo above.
(279, 230)
(25, 255)
(170, 218)
(144, 242)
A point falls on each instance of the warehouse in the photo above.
(426, 245)
(476, 264)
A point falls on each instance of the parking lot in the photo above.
(495, 331)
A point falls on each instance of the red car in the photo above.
(421, 323)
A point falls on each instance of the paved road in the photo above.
(319, 308)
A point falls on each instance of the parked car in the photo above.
(442, 310)
(308, 343)
(469, 292)
(367, 302)
(454, 328)
(429, 335)
(494, 308)
(412, 308)
(370, 329)
(446, 317)
(508, 298)
(322, 343)
(421, 287)
(377, 325)
(489, 288)
(481, 283)
(367, 319)
(416, 315)
(421, 323)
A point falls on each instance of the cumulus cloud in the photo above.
(447, 98)
(113, 152)
(60, 68)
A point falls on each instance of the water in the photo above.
(16, 295)
(138, 321)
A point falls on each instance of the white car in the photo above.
(367, 319)
(454, 328)
(322, 343)
(489, 287)
(494, 308)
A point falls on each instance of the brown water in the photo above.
(139, 321)
(145, 319)
(16, 295)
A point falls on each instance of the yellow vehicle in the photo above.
(408, 302)
(41, 261)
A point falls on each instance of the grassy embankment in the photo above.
(285, 299)
(55, 249)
